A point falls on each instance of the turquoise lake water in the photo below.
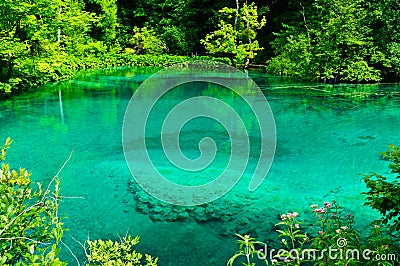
(324, 143)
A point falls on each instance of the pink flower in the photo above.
(321, 232)
(289, 215)
(328, 205)
(320, 210)
(297, 226)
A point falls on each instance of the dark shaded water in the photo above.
(323, 144)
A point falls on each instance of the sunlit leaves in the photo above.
(235, 36)
(145, 41)
(39, 29)
(30, 229)
(117, 253)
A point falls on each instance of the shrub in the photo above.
(384, 195)
(117, 253)
(30, 229)
(34, 71)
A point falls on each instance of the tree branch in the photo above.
(58, 173)
(305, 23)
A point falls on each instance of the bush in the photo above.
(31, 230)
(384, 195)
(35, 71)
(117, 253)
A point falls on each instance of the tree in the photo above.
(106, 28)
(75, 24)
(145, 41)
(382, 19)
(31, 32)
(333, 42)
(236, 39)
(22, 31)
(171, 21)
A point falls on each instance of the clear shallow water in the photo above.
(323, 144)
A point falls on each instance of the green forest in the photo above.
(325, 40)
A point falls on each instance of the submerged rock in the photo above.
(229, 215)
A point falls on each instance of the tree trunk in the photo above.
(59, 29)
(237, 14)
(247, 63)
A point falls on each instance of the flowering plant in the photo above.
(332, 240)
(292, 238)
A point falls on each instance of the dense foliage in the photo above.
(47, 41)
(236, 38)
(30, 229)
(383, 192)
(117, 253)
(330, 40)
(333, 40)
